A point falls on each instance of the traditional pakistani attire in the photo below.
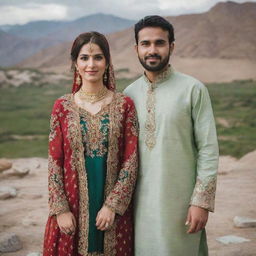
(178, 163)
(92, 162)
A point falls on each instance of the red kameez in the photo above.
(68, 183)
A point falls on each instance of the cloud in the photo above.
(22, 11)
(21, 14)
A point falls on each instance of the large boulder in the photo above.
(5, 164)
(20, 171)
(244, 222)
(34, 254)
(231, 239)
(7, 192)
(10, 242)
(226, 164)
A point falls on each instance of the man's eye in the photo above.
(160, 43)
(84, 58)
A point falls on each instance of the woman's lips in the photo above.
(92, 72)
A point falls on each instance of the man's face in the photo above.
(154, 48)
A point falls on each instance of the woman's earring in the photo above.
(105, 76)
(78, 78)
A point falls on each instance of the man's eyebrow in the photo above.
(157, 40)
(160, 41)
(144, 41)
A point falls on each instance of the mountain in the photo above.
(19, 42)
(226, 31)
(36, 29)
(14, 49)
(100, 22)
(67, 30)
(216, 45)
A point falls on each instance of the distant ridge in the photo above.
(34, 36)
(218, 45)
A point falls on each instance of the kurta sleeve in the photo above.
(120, 197)
(207, 148)
(57, 198)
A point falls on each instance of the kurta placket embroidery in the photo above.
(150, 124)
(183, 163)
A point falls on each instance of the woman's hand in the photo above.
(105, 218)
(67, 223)
(196, 219)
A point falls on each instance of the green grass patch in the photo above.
(25, 111)
(235, 103)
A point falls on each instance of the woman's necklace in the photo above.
(93, 97)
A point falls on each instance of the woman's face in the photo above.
(91, 63)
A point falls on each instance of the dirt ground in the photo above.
(26, 214)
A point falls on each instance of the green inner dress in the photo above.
(95, 129)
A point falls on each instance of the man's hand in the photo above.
(196, 219)
(105, 218)
(67, 223)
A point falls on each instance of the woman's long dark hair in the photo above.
(95, 38)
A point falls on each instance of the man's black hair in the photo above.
(154, 21)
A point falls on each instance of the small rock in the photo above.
(28, 221)
(20, 171)
(30, 196)
(230, 239)
(34, 254)
(5, 165)
(10, 242)
(226, 164)
(7, 192)
(243, 222)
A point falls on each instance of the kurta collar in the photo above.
(162, 77)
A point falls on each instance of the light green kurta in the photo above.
(179, 170)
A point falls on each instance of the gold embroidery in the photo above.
(204, 193)
(78, 164)
(57, 198)
(95, 132)
(150, 124)
(116, 115)
(54, 123)
(133, 120)
(121, 194)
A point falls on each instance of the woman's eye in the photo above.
(84, 58)
(98, 57)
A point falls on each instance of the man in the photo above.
(178, 150)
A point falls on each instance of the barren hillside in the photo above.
(218, 45)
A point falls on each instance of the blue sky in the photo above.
(23, 11)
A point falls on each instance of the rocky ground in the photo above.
(23, 210)
(17, 77)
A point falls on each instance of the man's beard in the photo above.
(161, 65)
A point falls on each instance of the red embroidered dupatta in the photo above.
(68, 182)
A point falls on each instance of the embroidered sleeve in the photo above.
(120, 197)
(57, 198)
(204, 193)
(207, 148)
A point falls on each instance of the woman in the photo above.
(92, 160)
